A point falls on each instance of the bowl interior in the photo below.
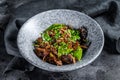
(31, 30)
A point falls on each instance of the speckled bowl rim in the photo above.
(66, 70)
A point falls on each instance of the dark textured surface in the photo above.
(16, 12)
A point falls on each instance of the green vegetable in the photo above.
(55, 27)
(78, 53)
(63, 49)
(46, 37)
(74, 35)
(57, 34)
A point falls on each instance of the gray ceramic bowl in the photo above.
(31, 30)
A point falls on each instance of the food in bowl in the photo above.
(61, 44)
